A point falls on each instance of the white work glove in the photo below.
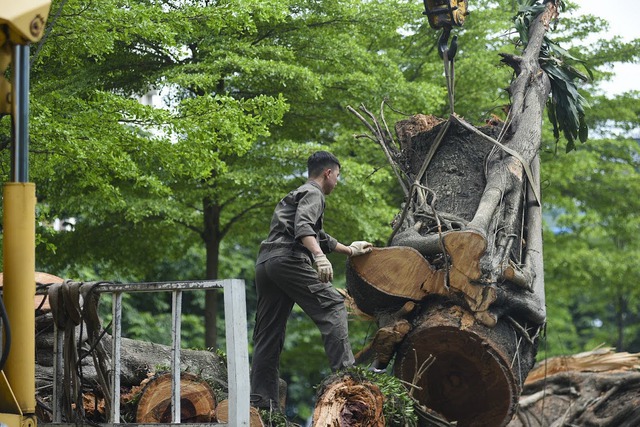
(360, 248)
(325, 270)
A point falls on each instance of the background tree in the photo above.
(594, 235)
(215, 159)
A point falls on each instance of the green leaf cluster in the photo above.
(566, 107)
(398, 406)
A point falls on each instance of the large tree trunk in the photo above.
(472, 373)
(212, 238)
(466, 249)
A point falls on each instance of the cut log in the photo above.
(94, 406)
(466, 249)
(386, 278)
(344, 401)
(392, 329)
(473, 376)
(387, 339)
(222, 414)
(197, 401)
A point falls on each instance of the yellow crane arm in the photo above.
(445, 13)
(21, 23)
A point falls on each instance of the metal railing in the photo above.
(236, 345)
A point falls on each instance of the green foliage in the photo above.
(398, 406)
(273, 418)
(229, 83)
(566, 108)
(593, 235)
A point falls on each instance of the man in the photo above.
(285, 275)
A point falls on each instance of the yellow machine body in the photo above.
(25, 19)
(446, 13)
(19, 288)
(21, 22)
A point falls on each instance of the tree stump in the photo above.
(197, 401)
(222, 414)
(345, 402)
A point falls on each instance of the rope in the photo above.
(449, 73)
(74, 304)
(65, 308)
(95, 335)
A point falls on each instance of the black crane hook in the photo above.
(443, 44)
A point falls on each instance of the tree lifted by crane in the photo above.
(21, 23)
(458, 294)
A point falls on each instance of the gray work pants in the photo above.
(281, 282)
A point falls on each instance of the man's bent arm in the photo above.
(310, 243)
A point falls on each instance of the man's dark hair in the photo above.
(319, 161)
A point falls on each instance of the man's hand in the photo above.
(325, 270)
(360, 248)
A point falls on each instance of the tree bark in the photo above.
(466, 248)
(464, 370)
(599, 388)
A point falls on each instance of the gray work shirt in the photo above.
(298, 214)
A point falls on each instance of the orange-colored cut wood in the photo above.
(197, 401)
(222, 414)
(398, 271)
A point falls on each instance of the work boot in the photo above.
(378, 367)
(262, 404)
